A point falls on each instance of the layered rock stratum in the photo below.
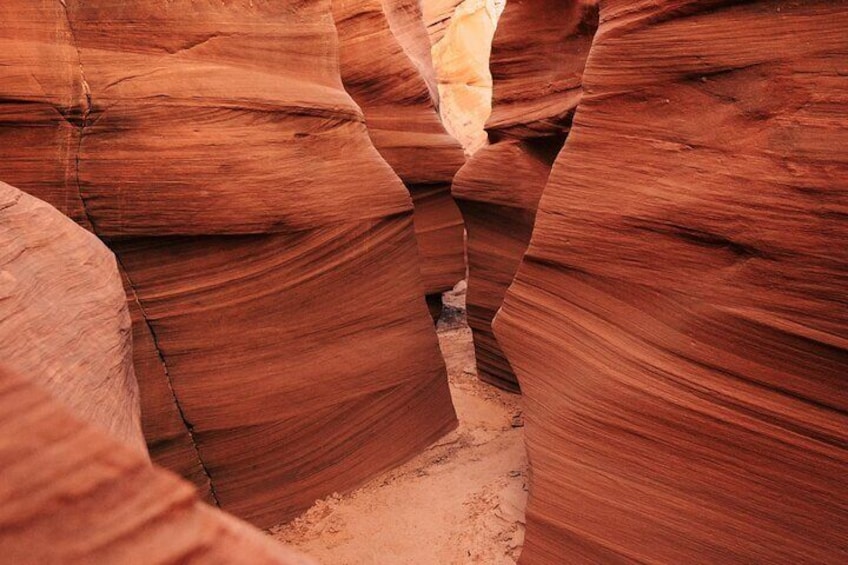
(384, 79)
(678, 323)
(406, 20)
(73, 494)
(538, 55)
(284, 350)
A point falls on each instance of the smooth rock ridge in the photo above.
(73, 494)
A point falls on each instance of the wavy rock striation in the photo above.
(285, 352)
(498, 190)
(72, 494)
(678, 323)
(406, 20)
(45, 104)
(405, 127)
(63, 316)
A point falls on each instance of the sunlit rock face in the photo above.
(678, 324)
(268, 250)
(538, 56)
(461, 33)
(404, 125)
(74, 494)
(63, 317)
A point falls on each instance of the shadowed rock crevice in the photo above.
(385, 80)
(165, 444)
(162, 448)
(498, 190)
(83, 110)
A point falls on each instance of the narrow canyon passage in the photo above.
(461, 282)
(460, 501)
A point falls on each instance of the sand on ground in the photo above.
(461, 501)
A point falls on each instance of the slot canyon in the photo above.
(424, 281)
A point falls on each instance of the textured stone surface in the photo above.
(538, 55)
(499, 210)
(406, 19)
(678, 323)
(72, 494)
(300, 392)
(41, 99)
(405, 127)
(265, 244)
(538, 42)
(63, 318)
(437, 16)
(461, 58)
(168, 439)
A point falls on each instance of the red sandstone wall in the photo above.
(384, 79)
(538, 54)
(267, 247)
(678, 324)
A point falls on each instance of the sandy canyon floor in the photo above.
(461, 501)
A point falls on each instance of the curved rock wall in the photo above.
(71, 494)
(63, 316)
(678, 323)
(406, 19)
(405, 128)
(538, 56)
(537, 43)
(266, 245)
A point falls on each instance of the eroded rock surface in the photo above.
(63, 317)
(406, 19)
(72, 494)
(462, 33)
(678, 323)
(42, 96)
(405, 127)
(267, 247)
(538, 42)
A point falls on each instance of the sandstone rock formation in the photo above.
(462, 38)
(538, 42)
(406, 20)
(404, 126)
(437, 15)
(168, 439)
(72, 494)
(63, 318)
(41, 100)
(679, 323)
(44, 106)
(266, 245)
